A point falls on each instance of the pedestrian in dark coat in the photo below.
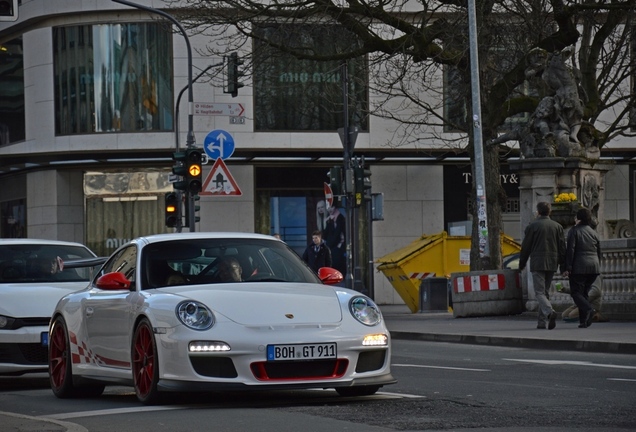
(583, 264)
(544, 244)
(317, 254)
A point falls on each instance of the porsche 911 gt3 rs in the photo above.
(212, 311)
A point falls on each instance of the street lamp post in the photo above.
(348, 176)
(190, 138)
(190, 141)
(176, 137)
(480, 182)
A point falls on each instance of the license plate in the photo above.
(44, 338)
(301, 351)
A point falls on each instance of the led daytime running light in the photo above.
(375, 340)
(208, 346)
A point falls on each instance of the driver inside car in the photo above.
(230, 270)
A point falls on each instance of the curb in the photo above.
(515, 342)
(15, 422)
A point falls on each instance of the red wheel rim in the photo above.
(58, 357)
(144, 361)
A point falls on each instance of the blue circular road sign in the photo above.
(218, 144)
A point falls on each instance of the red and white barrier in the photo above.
(484, 282)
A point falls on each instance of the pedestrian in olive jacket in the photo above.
(583, 264)
(544, 244)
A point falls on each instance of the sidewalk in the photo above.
(513, 330)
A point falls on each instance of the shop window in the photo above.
(123, 205)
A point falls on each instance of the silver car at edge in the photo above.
(34, 275)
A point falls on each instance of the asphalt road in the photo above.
(441, 387)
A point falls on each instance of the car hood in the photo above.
(265, 303)
(34, 299)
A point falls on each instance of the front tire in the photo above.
(145, 364)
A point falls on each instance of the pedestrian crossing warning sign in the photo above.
(219, 181)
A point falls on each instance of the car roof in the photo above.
(201, 235)
(28, 241)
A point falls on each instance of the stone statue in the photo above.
(563, 84)
(553, 128)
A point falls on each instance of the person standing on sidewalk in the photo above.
(583, 264)
(317, 253)
(544, 244)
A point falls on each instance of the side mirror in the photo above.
(330, 276)
(113, 281)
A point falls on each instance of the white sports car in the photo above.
(33, 278)
(210, 311)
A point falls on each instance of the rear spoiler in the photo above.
(96, 263)
(85, 262)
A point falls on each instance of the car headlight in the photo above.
(365, 310)
(195, 315)
(6, 322)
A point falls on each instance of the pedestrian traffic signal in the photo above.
(233, 74)
(194, 172)
(180, 169)
(335, 180)
(172, 209)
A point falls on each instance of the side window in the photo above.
(125, 261)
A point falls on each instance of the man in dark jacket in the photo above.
(317, 253)
(544, 244)
(583, 264)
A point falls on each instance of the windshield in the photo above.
(221, 260)
(28, 263)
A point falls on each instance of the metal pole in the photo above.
(348, 174)
(190, 141)
(176, 109)
(480, 182)
(176, 137)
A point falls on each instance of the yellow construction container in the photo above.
(436, 255)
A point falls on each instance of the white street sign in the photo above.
(220, 109)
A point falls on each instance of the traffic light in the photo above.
(197, 207)
(335, 180)
(172, 209)
(194, 204)
(8, 10)
(180, 169)
(194, 171)
(233, 74)
(362, 182)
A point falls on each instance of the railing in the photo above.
(618, 270)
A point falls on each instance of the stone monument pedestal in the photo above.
(542, 179)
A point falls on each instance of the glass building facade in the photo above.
(113, 78)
